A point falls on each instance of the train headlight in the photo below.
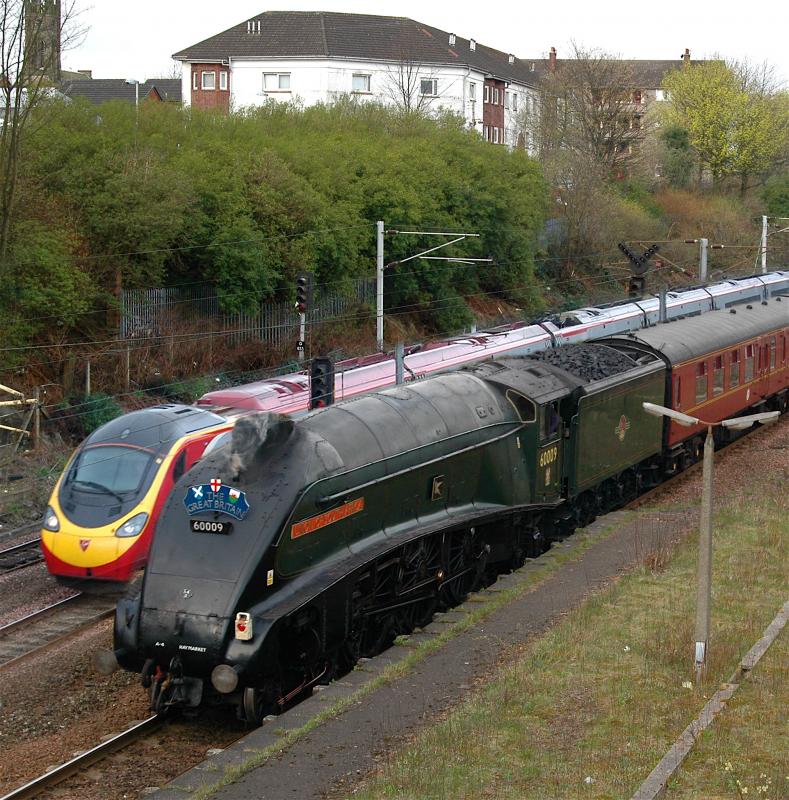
(51, 521)
(133, 525)
(224, 678)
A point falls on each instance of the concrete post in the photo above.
(379, 286)
(703, 243)
(87, 377)
(764, 245)
(399, 362)
(663, 312)
(302, 337)
(704, 581)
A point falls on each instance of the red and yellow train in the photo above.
(103, 510)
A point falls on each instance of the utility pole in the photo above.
(764, 245)
(379, 286)
(379, 266)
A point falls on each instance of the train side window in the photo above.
(772, 353)
(734, 370)
(717, 376)
(179, 466)
(678, 393)
(701, 382)
(749, 362)
(524, 407)
(549, 421)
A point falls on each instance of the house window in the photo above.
(661, 94)
(428, 87)
(514, 101)
(486, 94)
(734, 370)
(223, 81)
(194, 80)
(361, 83)
(717, 376)
(749, 363)
(506, 99)
(637, 97)
(495, 135)
(495, 96)
(485, 132)
(209, 81)
(472, 92)
(701, 383)
(276, 81)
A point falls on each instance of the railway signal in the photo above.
(636, 283)
(321, 382)
(303, 292)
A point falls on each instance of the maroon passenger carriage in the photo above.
(722, 364)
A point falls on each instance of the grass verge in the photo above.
(587, 710)
(548, 564)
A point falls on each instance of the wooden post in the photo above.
(87, 377)
(127, 370)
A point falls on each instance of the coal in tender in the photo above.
(590, 362)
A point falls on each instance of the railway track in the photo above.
(54, 624)
(20, 555)
(84, 760)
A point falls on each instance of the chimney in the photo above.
(472, 44)
(452, 39)
(686, 56)
(511, 58)
(552, 59)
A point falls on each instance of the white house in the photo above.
(316, 57)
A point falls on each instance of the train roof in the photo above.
(686, 339)
(152, 426)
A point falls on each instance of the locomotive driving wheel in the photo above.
(467, 556)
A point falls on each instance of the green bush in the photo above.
(81, 415)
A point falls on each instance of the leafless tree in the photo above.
(33, 34)
(403, 85)
(589, 104)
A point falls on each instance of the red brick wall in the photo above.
(210, 98)
(493, 110)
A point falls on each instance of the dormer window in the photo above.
(511, 58)
(472, 44)
(452, 39)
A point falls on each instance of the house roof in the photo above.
(321, 34)
(101, 90)
(643, 74)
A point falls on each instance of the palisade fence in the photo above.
(157, 313)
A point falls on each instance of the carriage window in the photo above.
(772, 353)
(701, 383)
(550, 420)
(749, 363)
(717, 377)
(525, 407)
(678, 393)
(734, 371)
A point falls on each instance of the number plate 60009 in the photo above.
(210, 526)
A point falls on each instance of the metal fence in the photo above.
(149, 313)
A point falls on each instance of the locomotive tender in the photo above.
(301, 545)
